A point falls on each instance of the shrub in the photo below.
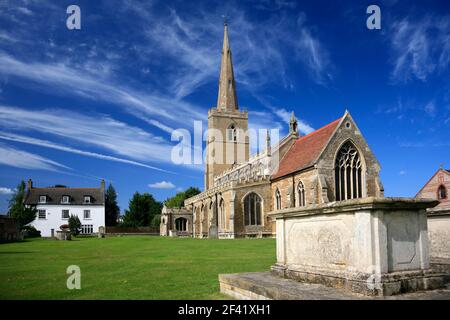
(128, 224)
(74, 225)
(30, 232)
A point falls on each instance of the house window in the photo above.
(301, 194)
(278, 199)
(42, 214)
(87, 199)
(65, 199)
(442, 192)
(87, 229)
(42, 199)
(252, 210)
(348, 173)
(65, 214)
(87, 214)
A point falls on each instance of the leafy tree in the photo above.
(155, 221)
(74, 225)
(141, 210)
(177, 201)
(191, 191)
(17, 208)
(112, 209)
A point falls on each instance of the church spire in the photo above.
(227, 99)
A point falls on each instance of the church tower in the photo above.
(227, 140)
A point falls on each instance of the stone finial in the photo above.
(293, 124)
(268, 144)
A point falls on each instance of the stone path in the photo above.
(256, 285)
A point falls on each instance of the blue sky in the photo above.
(101, 102)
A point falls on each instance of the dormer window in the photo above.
(42, 199)
(65, 199)
(87, 199)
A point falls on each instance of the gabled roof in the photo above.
(305, 151)
(54, 195)
(429, 180)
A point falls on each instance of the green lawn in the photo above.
(134, 267)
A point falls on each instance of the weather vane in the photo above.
(225, 19)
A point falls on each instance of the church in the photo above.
(333, 163)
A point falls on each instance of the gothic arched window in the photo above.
(252, 210)
(348, 173)
(232, 133)
(222, 222)
(180, 224)
(278, 199)
(301, 194)
(442, 192)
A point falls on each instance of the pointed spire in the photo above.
(227, 99)
(268, 145)
(293, 124)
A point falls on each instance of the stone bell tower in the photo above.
(227, 142)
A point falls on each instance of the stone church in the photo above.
(333, 163)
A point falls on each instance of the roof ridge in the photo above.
(320, 129)
(314, 143)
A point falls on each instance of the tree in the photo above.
(74, 225)
(112, 209)
(191, 191)
(155, 221)
(141, 210)
(17, 208)
(177, 201)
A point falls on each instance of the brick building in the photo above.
(438, 217)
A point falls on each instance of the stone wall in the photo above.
(439, 235)
(375, 246)
(348, 131)
(430, 190)
(307, 177)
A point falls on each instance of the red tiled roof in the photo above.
(305, 150)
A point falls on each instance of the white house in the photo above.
(55, 205)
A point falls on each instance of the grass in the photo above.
(134, 267)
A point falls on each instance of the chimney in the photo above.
(30, 184)
(102, 185)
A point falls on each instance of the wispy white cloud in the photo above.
(285, 115)
(6, 191)
(26, 160)
(420, 47)
(430, 108)
(52, 145)
(162, 185)
(59, 77)
(98, 131)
